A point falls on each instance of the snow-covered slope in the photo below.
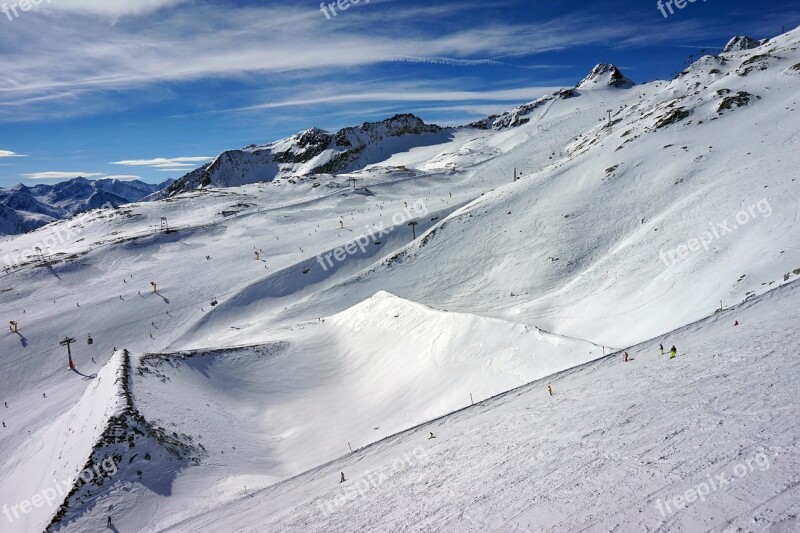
(611, 235)
(637, 229)
(704, 442)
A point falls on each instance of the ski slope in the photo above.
(331, 317)
(614, 441)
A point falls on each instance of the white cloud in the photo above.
(61, 175)
(110, 8)
(67, 59)
(80, 58)
(9, 153)
(172, 163)
(401, 94)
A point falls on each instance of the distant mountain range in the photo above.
(24, 208)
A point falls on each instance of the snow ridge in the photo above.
(313, 151)
(130, 450)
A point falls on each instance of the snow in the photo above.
(506, 282)
(66, 442)
(614, 441)
(24, 209)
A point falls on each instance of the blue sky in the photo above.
(150, 88)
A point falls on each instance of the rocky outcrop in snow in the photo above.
(601, 76)
(521, 115)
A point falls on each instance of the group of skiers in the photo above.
(673, 352)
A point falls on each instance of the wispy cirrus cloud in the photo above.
(401, 93)
(81, 59)
(57, 175)
(111, 8)
(9, 153)
(167, 164)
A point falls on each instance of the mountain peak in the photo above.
(605, 75)
(741, 42)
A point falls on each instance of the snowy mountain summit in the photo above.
(741, 43)
(313, 151)
(605, 75)
(601, 76)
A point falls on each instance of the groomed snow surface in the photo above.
(258, 364)
(614, 449)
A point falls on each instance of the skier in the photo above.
(626, 357)
(108, 522)
(662, 348)
(550, 390)
(673, 352)
(432, 436)
(736, 323)
(343, 479)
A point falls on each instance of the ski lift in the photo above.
(214, 302)
(90, 340)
